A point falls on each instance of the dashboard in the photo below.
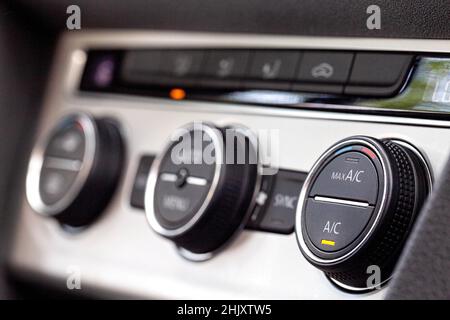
(348, 137)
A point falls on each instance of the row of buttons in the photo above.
(362, 73)
(276, 203)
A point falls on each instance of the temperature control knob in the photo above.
(75, 169)
(358, 205)
(201, 188)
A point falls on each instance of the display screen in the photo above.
(438, 84)
(427, 90)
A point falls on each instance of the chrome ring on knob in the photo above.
(87, 124)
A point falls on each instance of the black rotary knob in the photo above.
(357, 206)
(201, 188)
(74, 170)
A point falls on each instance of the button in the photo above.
(181, 63)
(142, 66)
(54, 184)
(272, 70)
(171, 67)
(274, 65)
(378, 69)
(100, 70)
(279, 215)
(332, 227)
(140, 182)
(350, 176)
(144, 61)
(223, 65)
(267, 182)
(378, 74)
(68, 142)
(325, 67)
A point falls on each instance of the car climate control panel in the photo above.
(201, 192)
(355, 208)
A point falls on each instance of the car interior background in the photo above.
(344, 106)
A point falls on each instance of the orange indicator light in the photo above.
(177, 94)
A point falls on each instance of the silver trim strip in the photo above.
(360, 290)
(141, 39)
(268, 111)
(63, 164)
(196, 181)
(341, 201)
(168, 177)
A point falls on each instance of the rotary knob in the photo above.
(201, 188)
(357, 207)
(74, 170)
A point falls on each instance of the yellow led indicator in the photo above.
(328, 242)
